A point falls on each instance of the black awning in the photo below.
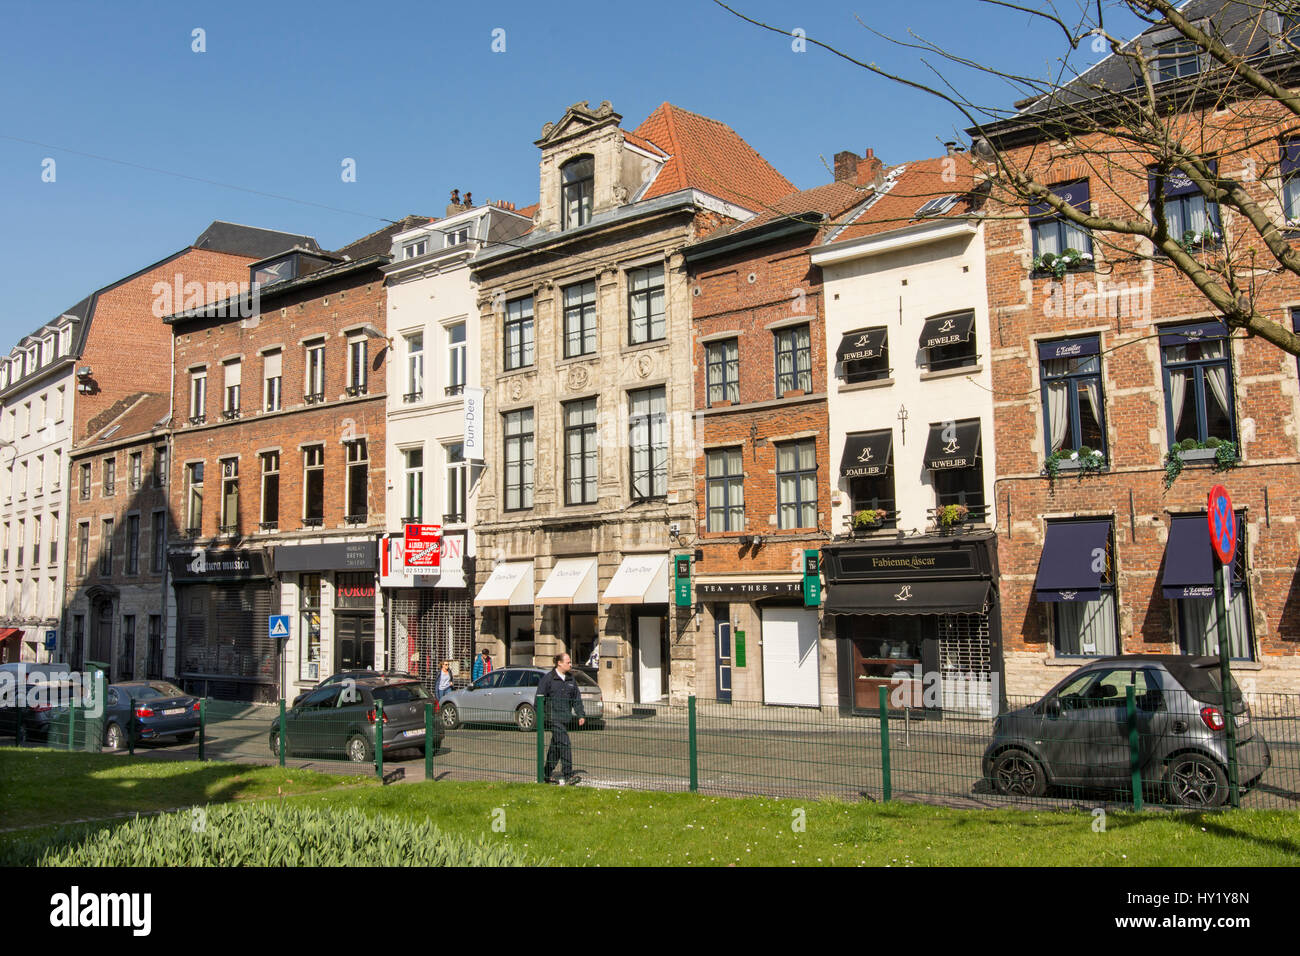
(953, 444)
(1189, 559)
(862, 345)
(1070, 569)
(913, 597)
(866, 454)
(947, 329)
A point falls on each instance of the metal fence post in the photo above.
(72, 724)
(203, 725)
(695, 753)
(428, 741)
(1134, 766)
(887, 784)
(541, 739)
(284, 733)
(379, 739)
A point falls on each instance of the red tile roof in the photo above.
(907, 188)
(139, 416)
(707, 155)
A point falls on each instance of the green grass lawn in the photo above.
(588, 827)
(53, 786)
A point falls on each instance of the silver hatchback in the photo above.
(509, 696)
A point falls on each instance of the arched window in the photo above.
(577, 178)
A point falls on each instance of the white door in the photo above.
(649, 659)
(790, 659)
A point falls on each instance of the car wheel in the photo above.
(114, 738)
(275, 743)
(1196, 781)
(358, 749)
(450, 716)
(1017, 774)
(526, 718)
(185, 738)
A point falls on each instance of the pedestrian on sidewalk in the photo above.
(444, 680)
(563, 701)
(482, 665)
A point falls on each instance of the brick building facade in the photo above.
(278, 478)
(1099, 372)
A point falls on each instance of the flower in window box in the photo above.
(868, 519)
(950, 515)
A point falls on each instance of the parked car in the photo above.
(1077, 735)
(338, 719)
(148, 709)
(354, 675)
(508, 695)
(35, 720)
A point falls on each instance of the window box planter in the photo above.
(1080, 461)
(1057, 265)
(1220, 455)
(721, 403)
(793, 393)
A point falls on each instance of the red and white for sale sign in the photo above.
(423, 545)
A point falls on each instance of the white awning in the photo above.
(571, 581)
(511, 584)
(640, 579)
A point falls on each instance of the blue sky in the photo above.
(414, 93)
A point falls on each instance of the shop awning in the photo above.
(862, 345)
(640, 579)
(1069, 569)
(511, 585)
(571, 581)
(913, 597)
(8, 632)
(953, 444)
(866, 454)
(1189, 559)
(947, 329)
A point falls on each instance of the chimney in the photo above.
(457, 204)
(859, 170)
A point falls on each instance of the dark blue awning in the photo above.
(1290, 157)
(1076, 194)
(947, 329)
(1198, 332)
(866, 454)
(1074, 558)
(1068, 348)
(1189, 559)
(1177, 182)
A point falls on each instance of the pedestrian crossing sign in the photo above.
(278, 625)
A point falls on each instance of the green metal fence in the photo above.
(1114, 751)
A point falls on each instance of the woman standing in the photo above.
(444, 680)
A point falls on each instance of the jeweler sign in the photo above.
(422, 547)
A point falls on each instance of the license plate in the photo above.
(413, 733)
(173, 712)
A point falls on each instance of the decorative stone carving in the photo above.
(579, 377)
(516, 390)
(644, 365)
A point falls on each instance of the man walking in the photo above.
(562, 701)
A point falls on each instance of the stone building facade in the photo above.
(589, 487)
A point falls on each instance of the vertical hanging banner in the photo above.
(473, 450)
(682, 580)
(812, 578)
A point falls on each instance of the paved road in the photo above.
(740, 751)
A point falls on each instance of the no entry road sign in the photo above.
(1223, 524)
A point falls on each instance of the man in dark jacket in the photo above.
(563, 700)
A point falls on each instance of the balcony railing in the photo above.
(411, 397)
(230, 529)
(412, 519)
(313, 522)
(889, 522)
(453, 518)
(268, 526)
(191, 532)
(198, 419)
(110, 487)
(354, 390)
(314, 398)
(965, 514)
(454, 389)
(229, 414)
(359, 518)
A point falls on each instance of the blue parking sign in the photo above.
(51, 640)
(278, 626)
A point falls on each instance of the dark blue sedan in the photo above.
(148, 709)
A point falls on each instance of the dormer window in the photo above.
(457, 237)
(1177, 59)
(413, 250)
(278, 271)
(577, 178)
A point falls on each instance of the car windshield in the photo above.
(156, 690)
(1206, 684)
(400, 693)
(585, 679)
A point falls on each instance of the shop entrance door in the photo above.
(354, 647)
(790, 658)
(649, 659)
(723, 658)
